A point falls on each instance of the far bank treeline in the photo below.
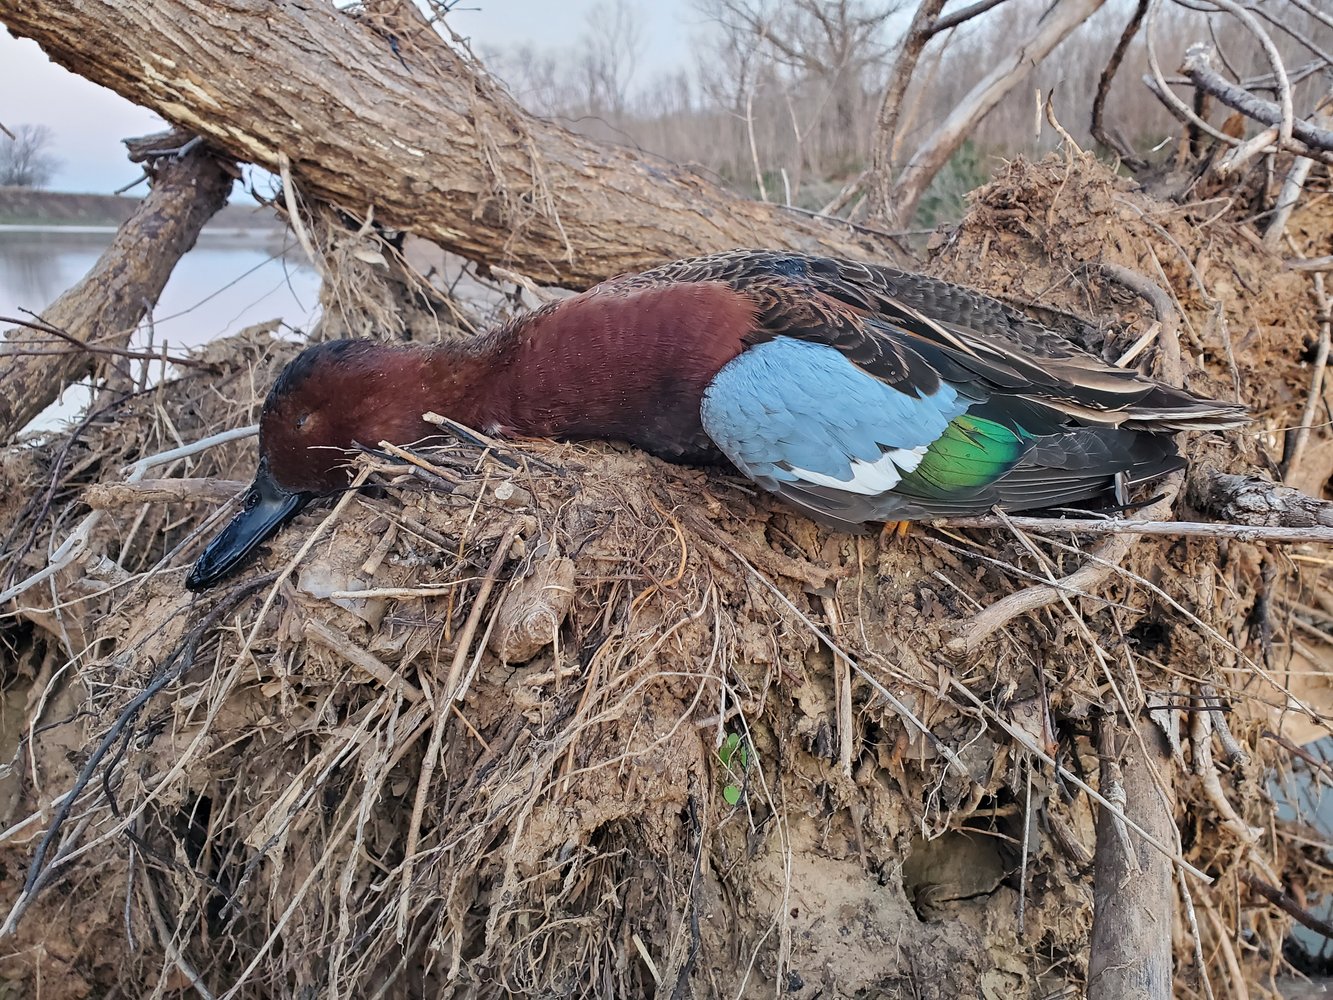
(22, 206)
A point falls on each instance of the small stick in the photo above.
(169, 942)
(1316, 392)
(294, 215)
(1169, 529)
(412, 458)
(1268, 734)
(403, 593)
(647, 958)
(1244, 153)
(497, 449)
(1236, 981)
(101, 496)
(317, 631)
(1287, 905)
(842, 684)
(1201, 745)
(1137, 348)
(40, 325)
(478, 605)
(1023, 867)
(74, 545)
(1312, 264)
(1236, 754)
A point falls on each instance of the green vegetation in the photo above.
(945, 200)
(734, 754)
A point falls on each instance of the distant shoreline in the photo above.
(214, 232)
(29, 210)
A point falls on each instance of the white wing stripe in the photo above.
(870, 478)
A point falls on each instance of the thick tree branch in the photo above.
(1198, 67)
(919, 32)
(1012, 66)
(1099, 132)
(104, 308)
(1252, 500)
(962, 16)
(378, 110)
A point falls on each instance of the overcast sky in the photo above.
(89, 122)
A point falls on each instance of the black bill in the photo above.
(265, 508)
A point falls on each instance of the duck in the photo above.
(857, 393)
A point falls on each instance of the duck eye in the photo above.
(301, 420)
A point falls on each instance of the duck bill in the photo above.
(265, 508)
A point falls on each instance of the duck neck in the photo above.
(393, 385)
(630, 364)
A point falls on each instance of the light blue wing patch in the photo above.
(792, 411)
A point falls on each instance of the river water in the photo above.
(230, 280)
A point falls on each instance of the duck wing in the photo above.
(856, 403)
(966, 336)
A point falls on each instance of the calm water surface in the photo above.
(227, 282)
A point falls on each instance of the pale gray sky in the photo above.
(89, 122)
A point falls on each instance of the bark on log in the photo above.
(111, 299)
(1133, 890)
(1253, 500)
(376, 110)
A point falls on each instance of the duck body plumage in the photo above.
(855, 392)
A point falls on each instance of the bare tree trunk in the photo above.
(1011, 68)
(111, 299)
(376, 110)
(919, 32)
(1133, 891)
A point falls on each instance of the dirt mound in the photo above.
(563, 720)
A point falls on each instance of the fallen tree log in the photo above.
(104, 308)
(377, 111)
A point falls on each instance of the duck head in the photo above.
(329, 399)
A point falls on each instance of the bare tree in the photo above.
(536, 77)
(610, 49)
(814, 68)
(26, 159)
(834, 41)
(588, 87)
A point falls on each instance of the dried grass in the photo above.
(464, 740)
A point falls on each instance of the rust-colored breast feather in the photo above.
(626, 360)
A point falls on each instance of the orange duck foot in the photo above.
(898, 528)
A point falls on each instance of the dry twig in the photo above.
(76, 543)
